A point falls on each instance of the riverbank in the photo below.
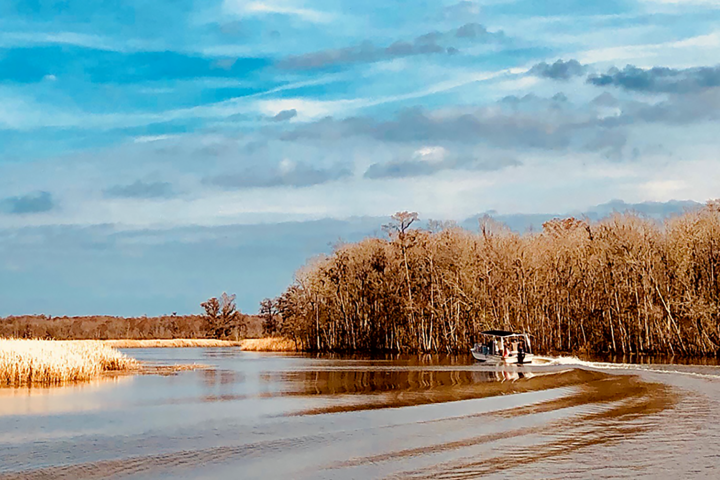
(52, 362)
(281, 344)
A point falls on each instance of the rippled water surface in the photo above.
(251, 415)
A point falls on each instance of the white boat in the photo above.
(504, 348)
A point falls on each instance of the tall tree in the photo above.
(270, 319)
(222, 318)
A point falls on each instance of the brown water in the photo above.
(290, 416)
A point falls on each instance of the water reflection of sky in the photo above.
(95, 394)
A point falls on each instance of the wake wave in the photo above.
(669, 368)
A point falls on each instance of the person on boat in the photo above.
(520, 353)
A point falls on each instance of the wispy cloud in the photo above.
(14, 39)
(153, 138)
(678, 50)
(279, 7)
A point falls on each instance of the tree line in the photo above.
(625, 284)
(221, 319)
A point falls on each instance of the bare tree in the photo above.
(400, 222)
(222, 318)
(270, 317)
(624, 284)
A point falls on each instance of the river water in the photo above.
(252, 415)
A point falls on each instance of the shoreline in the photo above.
(282, 344)
(46, 363)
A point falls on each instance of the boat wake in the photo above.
(701, 371)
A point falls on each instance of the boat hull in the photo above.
(500, 360)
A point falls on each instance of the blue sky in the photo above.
(155, 153)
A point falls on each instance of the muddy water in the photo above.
(257, 415)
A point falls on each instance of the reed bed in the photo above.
(170, 343)
(269, 344)
(51, 362)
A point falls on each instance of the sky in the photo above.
(154, 154)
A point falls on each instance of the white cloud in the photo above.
(307, 109)
(608, 112)
(10, 39)
(662, 189)
(282, 7)
(710, 40)
(287, 166)
(430, 154)
(152, 138)
(676, 53)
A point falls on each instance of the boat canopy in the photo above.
(502, 333)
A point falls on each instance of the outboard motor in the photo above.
(520, 355)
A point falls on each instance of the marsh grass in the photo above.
(268, 344)
(30, 363)
(170, 343)
(51, 362)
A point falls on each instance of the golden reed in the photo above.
(52, 362)
(270, 344)
(170, 343)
